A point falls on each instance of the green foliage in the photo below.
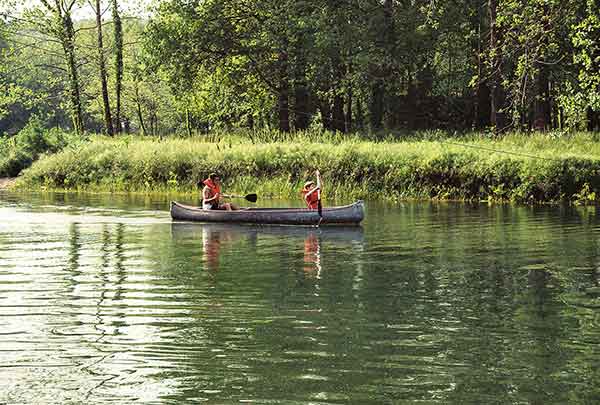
(23, 149)
(365, 65)
(351, 168)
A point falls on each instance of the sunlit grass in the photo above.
(520, 167)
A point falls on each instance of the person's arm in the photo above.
(205, 196)
(310, 192)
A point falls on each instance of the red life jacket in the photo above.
(214, 189)
(312, 200)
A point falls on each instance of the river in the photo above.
(104, 300)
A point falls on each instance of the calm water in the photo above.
(104, 300)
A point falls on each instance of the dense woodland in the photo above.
(191, 66)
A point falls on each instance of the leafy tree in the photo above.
(585, 36)
(108, 124)
(118, 61)
(59, 25)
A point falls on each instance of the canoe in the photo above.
(351, 214)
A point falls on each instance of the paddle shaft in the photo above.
(319, 205)
(249, 197)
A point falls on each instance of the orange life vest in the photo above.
(214, 189)
(312, 200)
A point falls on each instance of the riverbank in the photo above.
(522, 168)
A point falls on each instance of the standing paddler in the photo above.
(311, 193)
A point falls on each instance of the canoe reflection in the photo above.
(215, 237)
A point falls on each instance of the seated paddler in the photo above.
(311, 193)
(212, 195)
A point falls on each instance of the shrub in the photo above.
(20, 151)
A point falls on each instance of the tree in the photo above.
(29, 64)
(118, 63)
(496, 66)
(108, 124)
(60, 26)
(585, 37)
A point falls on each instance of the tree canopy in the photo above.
(342, 65)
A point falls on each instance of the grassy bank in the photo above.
(529, 168)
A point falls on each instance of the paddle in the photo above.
(248, 197)
(319, 205)
(252, 197)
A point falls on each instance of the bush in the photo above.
(20, 151)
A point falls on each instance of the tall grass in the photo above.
(517, 167)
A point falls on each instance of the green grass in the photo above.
(518, 167)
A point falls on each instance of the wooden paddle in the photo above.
(248, 197)
(319, 205)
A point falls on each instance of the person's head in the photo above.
(215, 178)
(309, 185)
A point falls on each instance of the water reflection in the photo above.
(439, 303)
(211, 246)
(215, 238)
(312, 255)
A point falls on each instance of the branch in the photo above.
(25, 34)
(93, 27)
(556, 62)
(34, 46)
(47, 5)
(45, 65)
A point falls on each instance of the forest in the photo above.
(186, 67)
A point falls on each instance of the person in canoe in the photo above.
(311, 193)
(211, 195)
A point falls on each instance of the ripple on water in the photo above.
(434, 303)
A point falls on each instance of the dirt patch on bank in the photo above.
(6, 182)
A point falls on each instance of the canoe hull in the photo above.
(347, 215)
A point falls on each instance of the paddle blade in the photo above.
(251, 197)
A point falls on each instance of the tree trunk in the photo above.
(102, 67)
(593, 120)
(301, 107)
(359, 113)
(188, 123)
(284, 89)
(497, 93)
(542, 100)
(349, 109)
(118, 38)
(67, 38)
(139, 110)
(325, 109)
(376, 107)
(482, 102)
(338, 118)
(411, 104)
(386, 38)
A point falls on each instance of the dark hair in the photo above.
(213, 176)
